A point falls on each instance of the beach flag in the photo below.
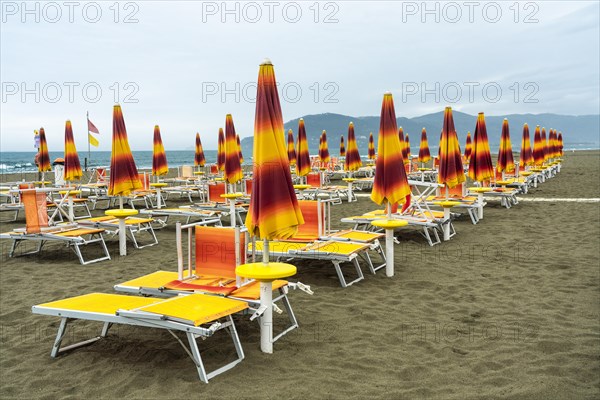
(506, 162)
(324, 150)
(199, 159)
(371, 149)
(72, 165)
(92, 140)
(239, 145)
(274, 212)
(424, 154)
(407, 149)
(124, 177)
(353, 161)
(390, 184)
(480, 166)
(302, 155)
(44, 155)
(525, 157)
(92, 127)
(451, 171)
(233, 169)
(538, 149)
(291, 150)
(159, 158)
(468, 147)
(221, 150)
(342, 147)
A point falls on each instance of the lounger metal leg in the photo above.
(288, 308)
(196, 357)
(56, 348)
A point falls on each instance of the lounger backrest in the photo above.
(312, 227)
(313, 179)
(36, 211)
(414, 163)
(145, 180)
(456, 191)
(215, 191)
(216, 253)
(187, 171)
(23, 186)
(436, 162)
(407, 167)
(100, 175)
(248, 185)
(214, 169)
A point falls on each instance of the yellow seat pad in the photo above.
(252, 290)
(78, 232)
(101, 303)
(358, 235)
(196, 308)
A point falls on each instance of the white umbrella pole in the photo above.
(389, 246)
(122, 232)
(232, 215)
(266, 301)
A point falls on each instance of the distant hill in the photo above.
(579, 131)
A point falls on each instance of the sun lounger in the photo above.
(38, 230)
(194, 315)
(212, 271)
(162, 215)
(135, 227)
(458, 194)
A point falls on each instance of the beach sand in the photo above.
(508, 308)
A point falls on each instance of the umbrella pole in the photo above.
(266, 301)
(70, 204)
(232, 215)
(43, 179)
(122, 232)
(389, 245)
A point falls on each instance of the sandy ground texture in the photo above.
(508, 308)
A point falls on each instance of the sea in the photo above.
(22, 161)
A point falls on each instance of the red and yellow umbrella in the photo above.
(538, 147)
(159, 158)
(274, 212)
(353, 161)
(424, 154)
(221, 151)
(390, 183)
(525, 157)
(506, 161)
(552, 143)
(407, 149)
(239, 145)
(371, 153)
(291, 150)
(303, 156)
(124, 177)
(544, 144)
(403, 144)
(233, 169)
(199, 159)
(72, 165)
(324, 149)
(451, 171)
(468, 147)
(342, 147)
(44, 155)
(480, 166)
(559, 141)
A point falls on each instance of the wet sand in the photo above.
(509, 308)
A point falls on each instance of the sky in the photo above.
(185, 64)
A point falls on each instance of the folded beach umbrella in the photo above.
(538, 147)
(274, 212)
(468, 147)
(552, 148)
(342, 147)
(302, 156)
(44, 158)
(159, 158)
(199, 159)
(324, 150)
(525, 157)
(407, 149)
(124, 177)
(371, 153)
(544, 141)
(403, 144)
(353, 161)
(221, 151)
(291, 150)
(390, 184)
(506, 162)
(233, 168)
(424, 154)
(72, 165)
(480, 166)
(559, 141)
(239, 146)
(451, 171)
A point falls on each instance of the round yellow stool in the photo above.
(480, 191)
(158, 186)
(231, 197)
(121, 214)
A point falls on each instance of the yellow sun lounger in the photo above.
(195, 315)
(134, 226)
